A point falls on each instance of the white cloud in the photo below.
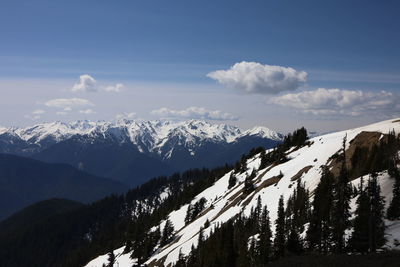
(68, 103)
(87, 111)
(61, 113)
(339, 102)
(194, 113)
(256, 78)
(116, 88)
(38, 111)
(129, 115)
(86, 84)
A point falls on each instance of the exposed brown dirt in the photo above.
(271, 181)
(363, 139)
(300, 173)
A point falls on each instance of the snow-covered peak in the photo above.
(3, 129)
(147, 135)
(263, 132)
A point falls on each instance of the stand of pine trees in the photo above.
(304, 228)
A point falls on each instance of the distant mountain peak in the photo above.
(264, 132)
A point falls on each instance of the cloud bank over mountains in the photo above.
(339, 102)
(194, 113)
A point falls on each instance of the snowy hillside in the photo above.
(223, 204)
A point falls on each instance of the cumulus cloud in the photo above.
(256, 78)
(194, 113)
(339, 102)
(68, 103)
(86, 84)
(114, 88)
(129, 115)
(87, 111)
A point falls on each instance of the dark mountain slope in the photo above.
(36, 214)
(25, 181)
(106, 158)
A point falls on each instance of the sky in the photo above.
(327, 65)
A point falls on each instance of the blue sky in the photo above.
(160, 49)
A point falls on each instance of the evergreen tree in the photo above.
(207, 223)
(279, 241)
(252, 252)
(167, 233)
(369, 227)
(264, 244)
(264, 160)
(341, 207)
(232, 181)
(111, 259)
(189, 212)
(257, 212)
(248, 185)
(200, 238)
(359, 238)
(181, 260)
(294, 243)
(393, 211)
(376, 223)
(319, 233)
(297, 215)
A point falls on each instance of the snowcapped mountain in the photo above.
(223, 203)
(147, 135)
(122, 145)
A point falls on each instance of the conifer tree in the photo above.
(264, 244)
(232, 181)
(248, 183)
(393, 211)
(189, 212)
(252, 252)
(279, 241)
(297, 215)
(341, 207)
(200, 238)
(376, 223)
(257, 211)
(167, 233)
(181, 260)
(359, 238)
(319, 233)
(294, 244)
(111, 259)
(369, 227)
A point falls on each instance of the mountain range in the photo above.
(133, 151)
